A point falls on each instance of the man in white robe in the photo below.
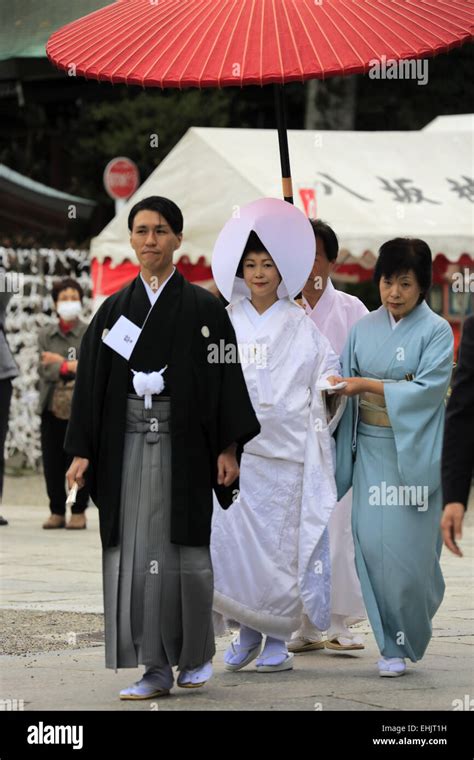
(334, 312)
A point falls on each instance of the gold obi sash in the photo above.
(372, 410)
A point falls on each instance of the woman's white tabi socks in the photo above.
(275, 657)
(392, 666)
(246, 647)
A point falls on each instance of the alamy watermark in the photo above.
(467, 703)
(12, 282)
(390, 68)
(384, 495)
(48, 734)
(245, 353)
(463, 282)
(11, 705)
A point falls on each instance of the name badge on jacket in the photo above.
(123, 337)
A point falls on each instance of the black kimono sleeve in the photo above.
(458, 446)
(236, 419)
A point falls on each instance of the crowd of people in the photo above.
(288, 462)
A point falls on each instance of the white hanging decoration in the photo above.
(148, 383)
(30, 309)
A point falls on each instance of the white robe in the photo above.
(270, 550)
(334, 314)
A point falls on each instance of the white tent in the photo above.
(462, 122)
(370, 186)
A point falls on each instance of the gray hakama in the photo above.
(157, 595)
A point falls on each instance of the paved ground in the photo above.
(52, 636)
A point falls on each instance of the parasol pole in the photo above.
(286, 182)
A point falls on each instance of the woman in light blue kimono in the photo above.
(397, 364)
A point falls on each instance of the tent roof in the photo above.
(370, 186)
(463, 122)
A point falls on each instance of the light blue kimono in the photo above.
(396, 530)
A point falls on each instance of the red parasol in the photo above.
(221, 43)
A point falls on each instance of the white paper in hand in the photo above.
(71, 499)
(325, 386)
(123, 337)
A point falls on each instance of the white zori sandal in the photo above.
(196, 677)
(392, 667)
(238, 656)
(275, 657)
(287, 664)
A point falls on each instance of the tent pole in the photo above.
(283, 143)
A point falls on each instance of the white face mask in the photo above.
(69, 310)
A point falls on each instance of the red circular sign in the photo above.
(121, 178)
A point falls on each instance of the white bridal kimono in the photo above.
(270, 550)
(334, 314)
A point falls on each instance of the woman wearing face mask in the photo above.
(59, 352)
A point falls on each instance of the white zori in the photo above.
(270, 550)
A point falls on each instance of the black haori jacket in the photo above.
(210, 405)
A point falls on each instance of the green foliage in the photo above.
(404, 104)
(67, 131)
(143, 127)
(367, 291)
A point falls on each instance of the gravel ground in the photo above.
(26, 632)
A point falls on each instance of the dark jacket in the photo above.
(458, 446)
(210, 408)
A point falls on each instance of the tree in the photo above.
(143, 127)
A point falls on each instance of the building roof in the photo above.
(19, 184)
(37, 208)
(26, 25)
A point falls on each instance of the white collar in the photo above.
(393, 322)
(325, 300)
(153, 295)
(257, 318)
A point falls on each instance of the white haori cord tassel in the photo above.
(148, 383)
